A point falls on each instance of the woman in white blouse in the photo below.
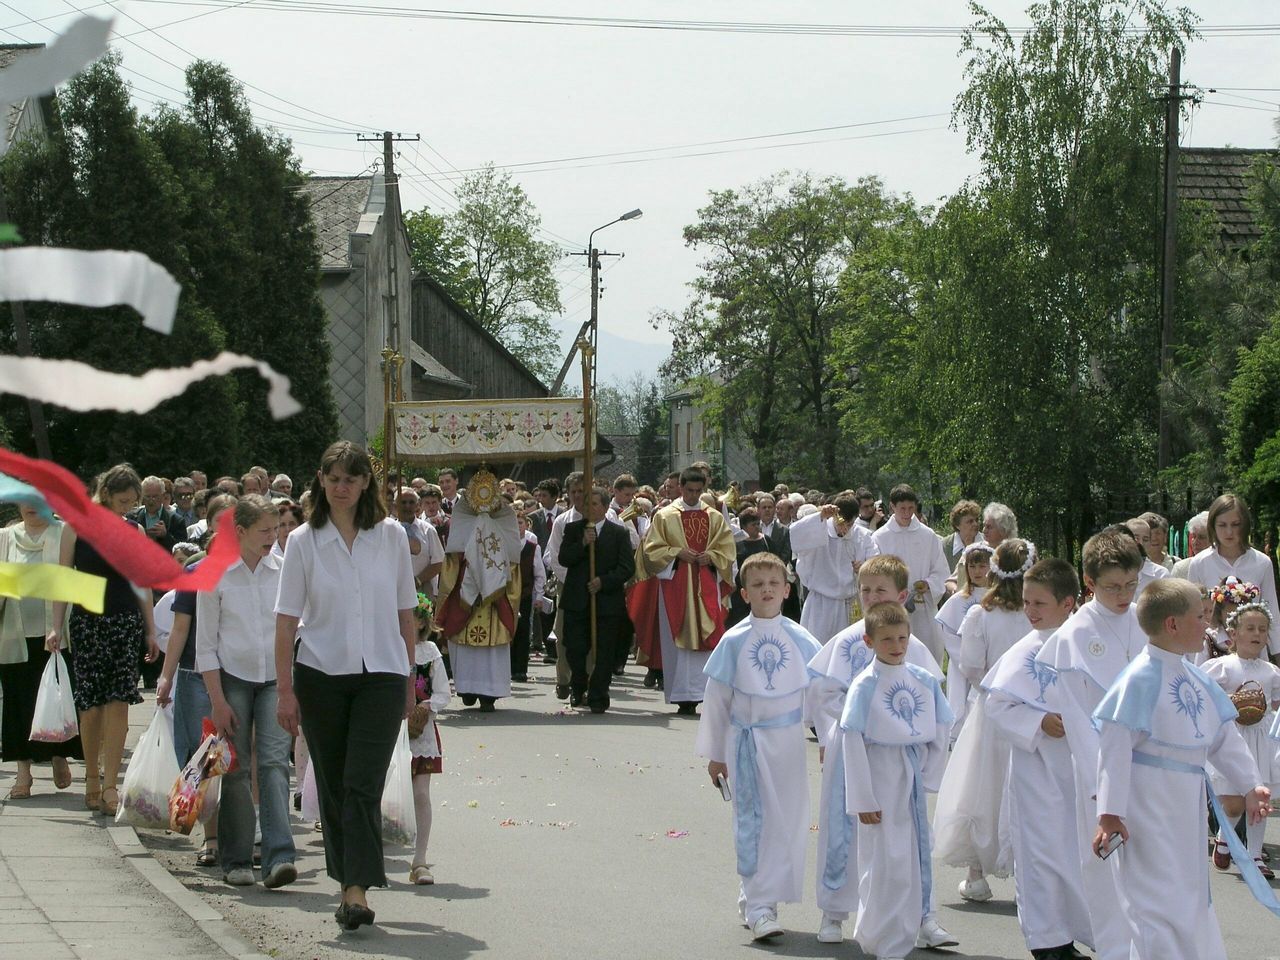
(346, 577)
(1229, 554)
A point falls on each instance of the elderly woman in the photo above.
(966, 515)
(998, 525)
(29, 629)
(1197, 540)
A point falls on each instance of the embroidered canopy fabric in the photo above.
(449, 431)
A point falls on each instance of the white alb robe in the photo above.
(1048, 885)
(920, 549)
(949, 620)
(482, 671)
(1164, 710)
(753, 709)
(1088, 652)
(896, 725)
(824, 563)
(843, 657)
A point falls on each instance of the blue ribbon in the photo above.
(1249, 872)
(920, 814)
(839, 830)
(747, 808)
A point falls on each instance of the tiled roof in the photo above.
(1219, 177)
(337, 206)
(11, 53)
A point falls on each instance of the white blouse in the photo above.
(1208, 567)
(235, 624)
(349, 602)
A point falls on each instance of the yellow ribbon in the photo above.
(50, 581)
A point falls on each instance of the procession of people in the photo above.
(1071, 723)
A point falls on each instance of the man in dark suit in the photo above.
(161, 523)
(615, 565)
(779, 538)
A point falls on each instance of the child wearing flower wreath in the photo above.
(1253, 683)
(1225, 598)
(976, 560)
(431, 689)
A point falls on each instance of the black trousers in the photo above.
(20, 684)
(351, 722)
(524, 635)
(609, 653)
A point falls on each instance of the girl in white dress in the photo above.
(1246, 670)
(976, 558)
(1232, 556)
(1224, 598)
(431, 689)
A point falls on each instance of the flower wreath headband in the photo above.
(1259, 605)
(1237, 591)
(978, 546)
(1016, 574)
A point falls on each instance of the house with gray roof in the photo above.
(1220, 177)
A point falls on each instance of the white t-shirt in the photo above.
(349, 601)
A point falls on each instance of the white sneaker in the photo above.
(742, 910)
(977, 891)
(281, 875)
(934, 934)
(239, 877)
(831, 931)
(766, 928)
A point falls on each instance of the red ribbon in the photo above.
(137, 559)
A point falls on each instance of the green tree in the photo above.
(1253, 425)
(652, 456)
(486, 254)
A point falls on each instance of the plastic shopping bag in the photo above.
(399, 825)
(144, 795)
(55, 716)
(310, 796)
(191, 792)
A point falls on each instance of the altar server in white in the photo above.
(903, 535)
(846, 655)
(1160, 722)
(896, 724)
(753, 734)
(969, 824)
(1088, 652)
(1247, 674)
(1048, 885)
(829, 548)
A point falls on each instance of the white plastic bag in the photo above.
(144, 795)
(310, 797)
(399, 825)
(55, 716)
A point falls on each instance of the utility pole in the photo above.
(392, 359)
(1169, 255)
(22, 334)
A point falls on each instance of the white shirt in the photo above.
(539, 570)
(1208, 567)
(551, 556)
(824, 559)
(236, 622)
(349, 602)
(432, 549)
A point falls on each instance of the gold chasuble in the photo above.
(692, 597)
(491, 622)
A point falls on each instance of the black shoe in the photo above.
(352, 916)
(562, 691)
(297, 802)
(520, 678)
(651, 679)
(599, 707)
(469, 699)
(547, 658)
(620, 669)
(687, 709)
(487, 705)
(577, 699)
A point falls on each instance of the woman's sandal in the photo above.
(110, 805)
(21, 791)
(61, 773)
(421, 876)
(208, 856)
(92, 799)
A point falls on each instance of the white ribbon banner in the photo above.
(38, 73)
(500, 430)
(91, 278)
(78, 386)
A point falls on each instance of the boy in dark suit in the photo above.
(615, 565)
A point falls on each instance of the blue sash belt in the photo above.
(839, 826)
(748, 810)
(1249, 872)
(920, 814)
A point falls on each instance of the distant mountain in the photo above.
(620, 357)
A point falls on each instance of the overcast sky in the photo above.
(521, 93)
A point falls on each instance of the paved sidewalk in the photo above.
(74, 885)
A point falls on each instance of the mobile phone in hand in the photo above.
(723, 784)
(1111, 846)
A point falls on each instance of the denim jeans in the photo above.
(190, 706)
(254, 705)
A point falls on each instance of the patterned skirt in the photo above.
(108, 655)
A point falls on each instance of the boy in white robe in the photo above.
(904, 536)
(846, 655)
(1088, 652)
(1160, 722)
(829, 548)
(896, 724)
(753, 734)
(1048, 885)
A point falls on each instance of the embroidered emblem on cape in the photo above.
(769, 655)
(855, 659)
(1189, 700)
(906, 704)
(1042, 674)
(1097, 648)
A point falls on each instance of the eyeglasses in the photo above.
(186, 496)
(1116, 589)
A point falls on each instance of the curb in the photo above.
(210, 922)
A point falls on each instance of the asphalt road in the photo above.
(565, 835)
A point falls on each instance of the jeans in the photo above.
(351, 722)
(254, 705)
(190, 706)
